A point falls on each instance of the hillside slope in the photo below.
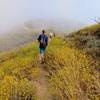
(87, 39)
(16, 39)
(67, 74)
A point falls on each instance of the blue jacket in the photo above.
(43, 40)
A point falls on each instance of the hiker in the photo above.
(43, 42)
(50, 36)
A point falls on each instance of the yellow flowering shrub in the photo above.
(72, 76)
(18, 70)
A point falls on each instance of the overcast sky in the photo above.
(13, 12)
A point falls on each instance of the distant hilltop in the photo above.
(57, 26)
(28, 31)
(50, 25)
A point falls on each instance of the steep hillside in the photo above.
(67, 74)
(87, 39)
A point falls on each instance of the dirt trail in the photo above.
(42, 85)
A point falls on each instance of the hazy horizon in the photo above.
(15, 12)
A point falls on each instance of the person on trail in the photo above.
(50, 36)
(43, 43)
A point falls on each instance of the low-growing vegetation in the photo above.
(71, 73)
(87, 40)
(18, 70)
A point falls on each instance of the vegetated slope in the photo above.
(71, 74)
(18, 69)
(87, 39)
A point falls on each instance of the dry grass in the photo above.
(71, 74)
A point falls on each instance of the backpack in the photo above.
(43, 41)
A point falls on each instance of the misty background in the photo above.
(19, 19)
(15, 12)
